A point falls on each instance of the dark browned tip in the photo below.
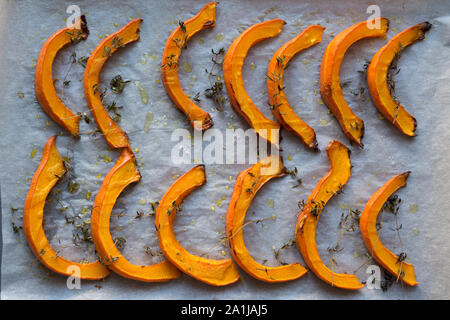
(314, 146)
(388, 23)
(425, 26)
(406, 174)
(363, 131)
(415, 127)
(76, 136)
(207, 124)
(84, 27)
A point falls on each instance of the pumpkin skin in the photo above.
(118, 178)
(43, 80)
(377, 73)
(330, 87)
(210, 271)
(279, 105)
(248, 182)
(50, 170)
(205, 19)
(232, 73)
(368, 227)
(305, 230)
(113, 134)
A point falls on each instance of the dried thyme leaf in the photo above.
(117, 84)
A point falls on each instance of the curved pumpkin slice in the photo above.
(114, 135)
(43, 80)
(232, 73)
(377, 74)
(277, 99)
(214, 272)
(118, 178)
(205, 19)
(50, 170)
(367, 224)
(305, 231)
(330, 87)
(247, 185)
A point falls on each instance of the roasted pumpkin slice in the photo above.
(247, 185)
(50, 170)
(277, 98)
(305, 231)
(381, 89)
(205, 19)
(232, 72)
(368, 226)
(330, 87)
(214, 272)
(43, 80)
(114, 135)
(118, 178)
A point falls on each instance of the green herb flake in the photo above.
(33, 153)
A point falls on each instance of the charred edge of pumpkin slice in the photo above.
(84, 27)
(41, 246)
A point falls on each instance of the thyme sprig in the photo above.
(75, 36)
(117, 84)
(286, 245)
(215, 90)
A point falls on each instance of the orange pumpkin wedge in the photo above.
(114, 135)
(50, 170)
(377, 78)
(305, 231)
(277, 98)
(118, 178)
(330, 87)
(247, 185)
(210, 271)
(232, 73)
(205, 19)
(43, 80)
(367, 224)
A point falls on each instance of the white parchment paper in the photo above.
(422, 85)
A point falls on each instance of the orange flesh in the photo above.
(377, 73)
(330, 87)
(43, 79)
(46, 176)
(232, 72)
(114, 135)
(252, 179)
(277, 98)
(368, 221)
(214, 272)
(205, 19)
(118, 178)
(305, 231)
